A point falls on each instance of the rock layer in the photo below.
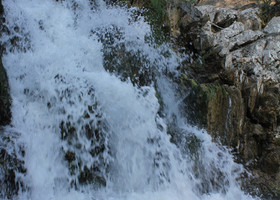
(239, 91)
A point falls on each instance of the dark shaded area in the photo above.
(5, 114)
(11, 164)
(268, 10)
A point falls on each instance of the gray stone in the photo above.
(209, 11)
(250, 19)
(225, 17)
(273, 26)
(245, 62)
(189, 15)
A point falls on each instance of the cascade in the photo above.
(96, 113)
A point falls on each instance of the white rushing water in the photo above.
(87, 133)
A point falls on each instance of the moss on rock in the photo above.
(203, 104)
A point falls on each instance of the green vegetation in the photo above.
(268, 10)
(190, 81)
(156, 15)
(201, 98)
(211, 89)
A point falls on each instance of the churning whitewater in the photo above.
(95, 112)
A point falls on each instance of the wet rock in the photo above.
(11, 164)
(85, 137)
(121, 60)
(243, 109)
(1, 8)
(5, 114)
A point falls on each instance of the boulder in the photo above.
(273, 26)
(250, 19)
(184, 17)
(225, 29)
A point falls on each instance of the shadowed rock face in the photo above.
(9, 163)
(5, 114)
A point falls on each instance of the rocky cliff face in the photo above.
(238, 90)
(233, 83)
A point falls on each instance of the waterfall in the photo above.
(96, 113)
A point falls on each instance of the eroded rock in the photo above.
(243, 110)
(250, 19)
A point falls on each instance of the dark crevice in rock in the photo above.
(5, 114)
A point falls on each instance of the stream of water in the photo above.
(96, 114)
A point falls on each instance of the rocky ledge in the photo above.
(235, 85)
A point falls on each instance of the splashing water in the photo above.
(85, 84)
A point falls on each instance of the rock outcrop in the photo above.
(237, 90)
(233, 84)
